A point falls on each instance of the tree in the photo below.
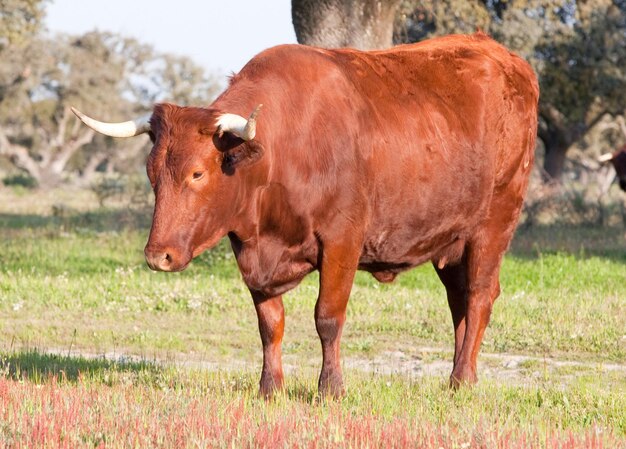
(20, 21)
(577, 48)
(582, 76)
(111, 77)
(364, 24)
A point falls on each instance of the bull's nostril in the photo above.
(165, 260)
(158, 259)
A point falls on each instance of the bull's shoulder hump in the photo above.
(287, 52)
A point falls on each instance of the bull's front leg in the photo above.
(271, 316)
(336, 277)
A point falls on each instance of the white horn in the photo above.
(606, 157)
(122, 129)
(239, 126)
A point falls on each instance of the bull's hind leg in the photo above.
(454, 278)
(483, 289)
(271, 316)
(483, 257)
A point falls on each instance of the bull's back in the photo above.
(449, 121)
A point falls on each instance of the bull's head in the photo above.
(192, 167)
(618, 159)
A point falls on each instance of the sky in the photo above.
(220, 35)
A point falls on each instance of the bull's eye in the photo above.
(197, 175)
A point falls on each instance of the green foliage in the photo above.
(21, 180)
(109, 76)
(107, 187)
(19, 21)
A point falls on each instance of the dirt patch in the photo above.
(518, 369)
(419, 362)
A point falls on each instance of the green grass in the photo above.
(92, 290)
(551, 366)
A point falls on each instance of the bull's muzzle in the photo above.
(164, 259)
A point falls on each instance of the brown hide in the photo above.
(377, 161)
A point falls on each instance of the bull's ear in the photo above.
(237, 152)
(226, 141)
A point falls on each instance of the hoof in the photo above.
(269, 388)
(331, 388)
(332, 392)
(461, 378)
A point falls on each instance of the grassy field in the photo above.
(98, 351)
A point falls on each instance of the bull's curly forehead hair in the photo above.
(170, 119)
(170, 124)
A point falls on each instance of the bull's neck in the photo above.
(248, 181)
(249, 184)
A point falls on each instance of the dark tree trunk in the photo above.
(558, 135)
(556, 138)
(363, 24)
(554, 161)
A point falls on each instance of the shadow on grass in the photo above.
(35, 366)
(99, 220)
(580, 241)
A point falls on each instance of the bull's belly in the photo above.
(386, 254)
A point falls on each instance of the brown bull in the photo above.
(378, 161)
(618, 160)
